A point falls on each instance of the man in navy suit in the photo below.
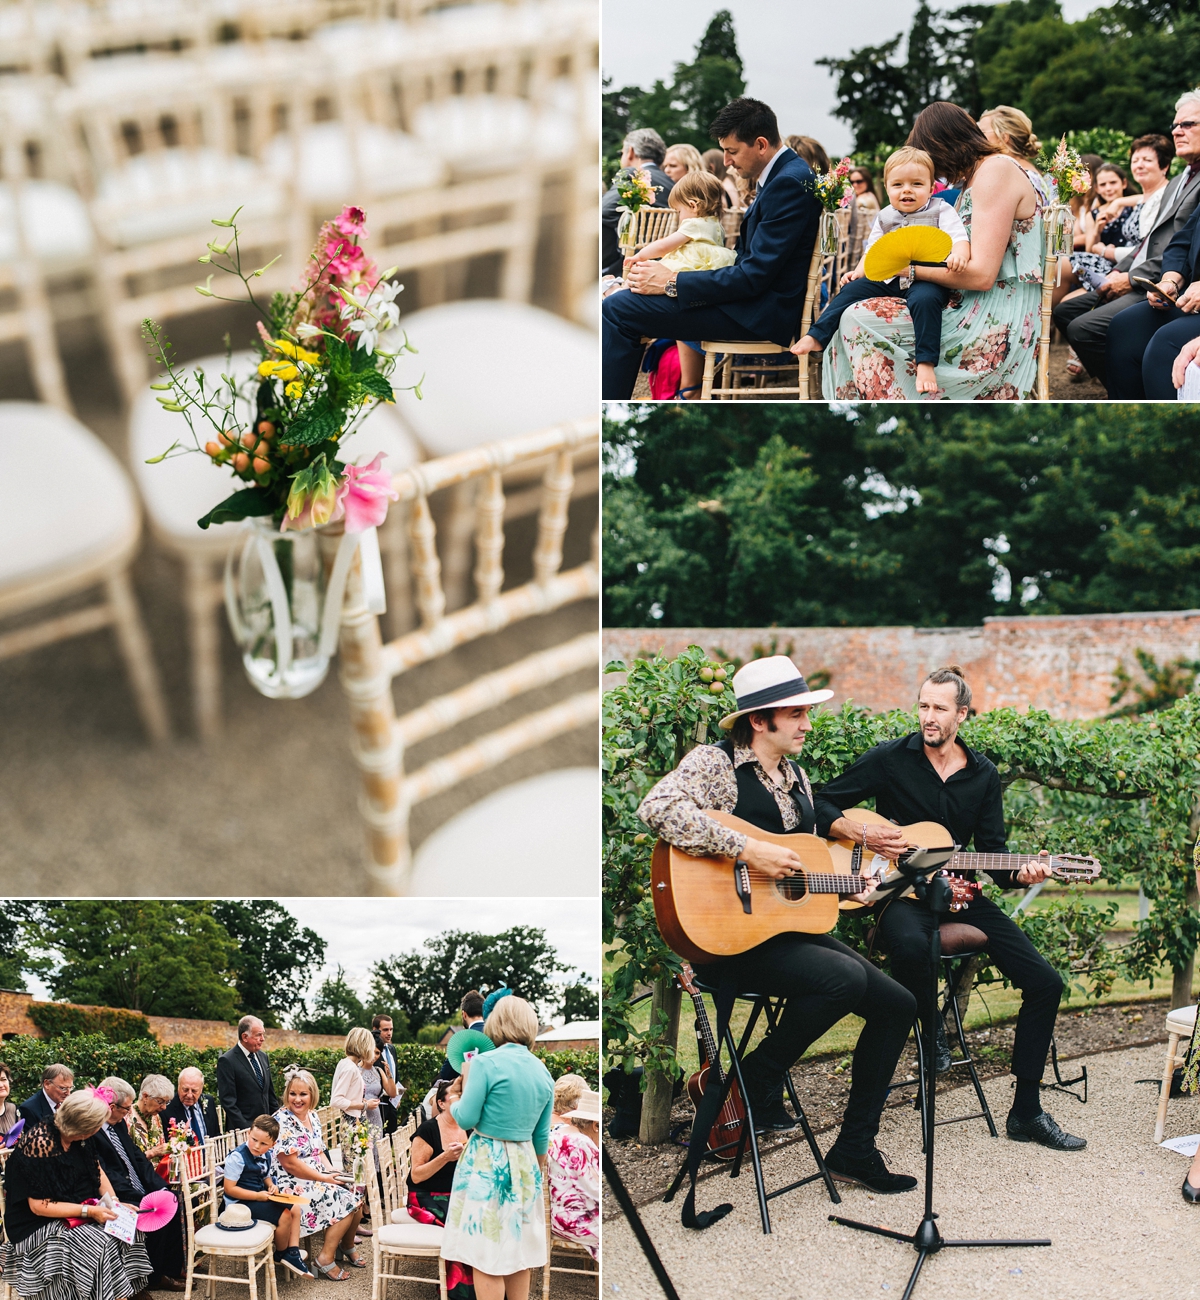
(190, 1106)
(55, 1089)
(762, 295)
(244, 1077)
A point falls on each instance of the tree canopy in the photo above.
(754, 515)
(336, 1008)
(428, 984)
(276, 958)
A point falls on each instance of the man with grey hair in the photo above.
(645, 150)
(56, 1088)
(132, 1176)
(192, 1107)
(1084, 319)
(244, 1077)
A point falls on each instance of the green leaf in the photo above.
(247, 504)
(340, 361)
(371, 381)
(318, 425)
(155, 460)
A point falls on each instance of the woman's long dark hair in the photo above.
(1117, 170)
(949, 135)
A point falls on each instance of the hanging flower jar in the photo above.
(307, 510)
(634, 192)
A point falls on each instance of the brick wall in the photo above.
(1064, 665)
(14, 1019)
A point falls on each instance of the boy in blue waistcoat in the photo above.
(248, 1179)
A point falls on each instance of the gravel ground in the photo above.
(1113, 1212)
(88, 807)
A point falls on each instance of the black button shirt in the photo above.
(907, 789)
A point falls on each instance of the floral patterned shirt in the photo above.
(574, 1169)
(673, 809)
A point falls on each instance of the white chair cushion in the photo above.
(491, 133)
(1182, 1020)
(389, 162)
(410, 1236)
(541, 835)
(252, 1239)
(54, 220)
(495, 369)
(177, 191)
(180, 490)
(68, 496)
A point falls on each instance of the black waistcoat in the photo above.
(756, 805)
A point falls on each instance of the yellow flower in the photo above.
(294, 389)
(277, 370)
(298, 353)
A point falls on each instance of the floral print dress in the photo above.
(574, 1168)
(989, 337)
(327, 1203)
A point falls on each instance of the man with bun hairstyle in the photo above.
(931, 775)
(753, 776)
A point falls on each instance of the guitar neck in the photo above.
(822, 882)
(707, 1037)
(994, 861)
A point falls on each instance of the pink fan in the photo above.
(156, 1209)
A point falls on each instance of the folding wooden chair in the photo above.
(392, 1242)
(572, 1249)
(1059, 226)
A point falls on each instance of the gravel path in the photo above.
(1114, 1213)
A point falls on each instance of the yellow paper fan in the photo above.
(891, 254)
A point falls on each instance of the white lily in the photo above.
(374, 312)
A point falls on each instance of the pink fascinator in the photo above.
(156, 1209)
(106, 1095)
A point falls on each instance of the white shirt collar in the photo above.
(53, 1103)
(766, 171)
(248, 1054)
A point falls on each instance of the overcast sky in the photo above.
(359, 931)
(779, 41)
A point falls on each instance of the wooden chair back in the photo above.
(1050, 274)
(822, 283)
(368, 665)
(650, 224)
(731, 224)
(564, 1247)
(197, 1168)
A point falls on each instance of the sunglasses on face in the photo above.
(1184, 126)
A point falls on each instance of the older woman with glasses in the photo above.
(144, 1119)
(8, 1110)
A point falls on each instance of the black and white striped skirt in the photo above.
(84, 1263)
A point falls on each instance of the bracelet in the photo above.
(863, 826)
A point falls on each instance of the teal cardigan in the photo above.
(509, 1094)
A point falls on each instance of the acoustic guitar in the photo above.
(715, 907)
(848, 856)
(724, 1134)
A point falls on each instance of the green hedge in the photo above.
(93, 1057)
(58, 1018)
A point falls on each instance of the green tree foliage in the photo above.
(336, 1008)
(580, 1001)
(800, 516)
(55, 1019)
(682, 110)
(1121, 67)
(16, 918)
(275, 957)
(1124, 789)
(156, 956)
(428, 984)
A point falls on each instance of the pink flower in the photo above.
(364, 495)
(353, 221)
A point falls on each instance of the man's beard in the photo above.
(942, 738)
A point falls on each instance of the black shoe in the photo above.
(1042, 1129)
(764, 1092)
(869, 1172)
(771, 1117)
(941, 1049)
(1191, 1194)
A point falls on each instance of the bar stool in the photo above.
(960, 942)
(772, 1007)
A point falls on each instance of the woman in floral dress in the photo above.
(574, 1164)
(990, 327)
(306, 1171)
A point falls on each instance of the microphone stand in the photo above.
(919, 870)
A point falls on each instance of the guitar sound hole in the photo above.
(792, 887)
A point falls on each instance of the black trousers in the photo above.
(165, 1247)
(1085, 321)
(1142, 346)
(905, 930)
(823, 981)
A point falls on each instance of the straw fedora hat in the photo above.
(771, 683)
(587, 1107)
(236, 1218)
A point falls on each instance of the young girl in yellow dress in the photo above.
(697, 244)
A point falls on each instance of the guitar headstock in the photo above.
(1074, 866)
(687, 980)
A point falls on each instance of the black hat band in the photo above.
(769, 694)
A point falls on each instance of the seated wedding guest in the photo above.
(1090, 266)
(1085, 319)
(53, 1174)
(761, 296)
(305, 1171)
(987, 338)
(864, 208)
(57, 1081)
(643, 149)
(696, 244)
(909, 177)
(435, 1149)
(249, 1179)
(495, 1219)
(1010, 131)
(810, 150)
(8, 1110)
(714, 162)
(573, 1162)
(1145, 342)
(145, 1119)
(681, 159)
(132, 1176)
(863, 184)
(191, 1106)
(358, 1083)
